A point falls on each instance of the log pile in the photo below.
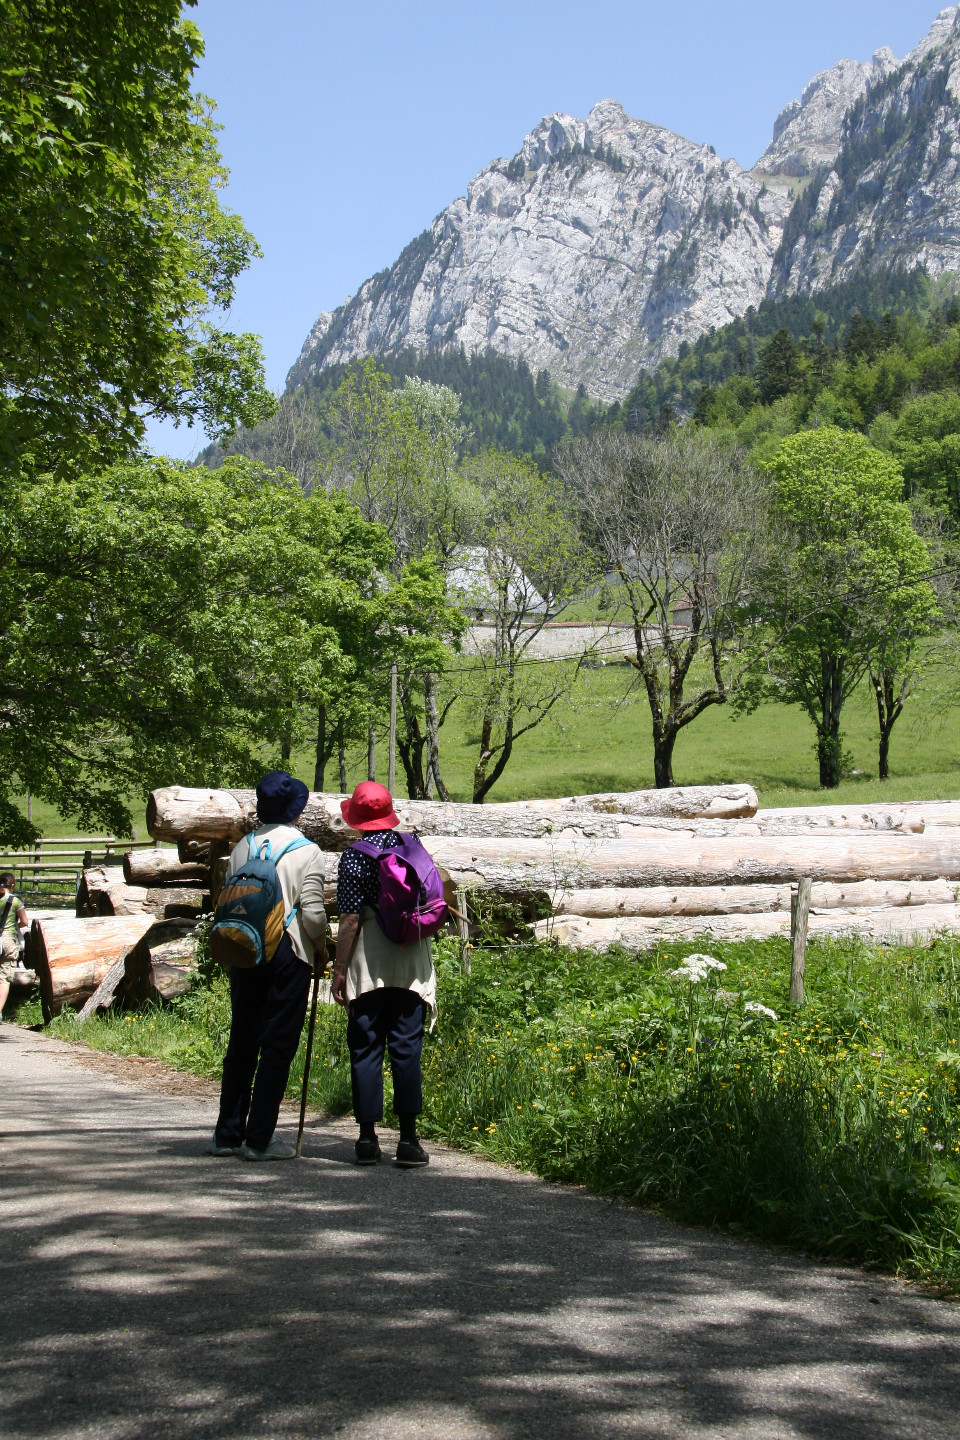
(158, 885)
(636, 867)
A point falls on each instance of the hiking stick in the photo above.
(306, 1065)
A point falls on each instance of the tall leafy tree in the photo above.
(156, 621)
(848, 590)
(529, 564)
(394, 452)
(115, 252)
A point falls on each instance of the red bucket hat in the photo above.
(370, 807)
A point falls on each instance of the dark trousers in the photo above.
(268, 1004)
(385, 1019)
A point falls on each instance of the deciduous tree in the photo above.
(115, 252)
(682, 524)
(848, 590)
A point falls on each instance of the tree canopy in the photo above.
(848, 582)
(114, 248)
(157, 621)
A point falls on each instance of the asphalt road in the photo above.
(148, 1291)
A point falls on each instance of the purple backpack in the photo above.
(406, 873)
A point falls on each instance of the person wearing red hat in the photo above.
(386, 987)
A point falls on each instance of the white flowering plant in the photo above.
(700, 1005)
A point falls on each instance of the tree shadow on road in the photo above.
(150, 1291)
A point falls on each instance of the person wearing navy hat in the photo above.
(268, 1003)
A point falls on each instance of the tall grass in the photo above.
(835, 1128)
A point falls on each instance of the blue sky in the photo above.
(348, 127)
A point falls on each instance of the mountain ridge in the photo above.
(605, 244)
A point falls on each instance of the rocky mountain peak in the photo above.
(605, 243)
(806, 133)
(892, 198)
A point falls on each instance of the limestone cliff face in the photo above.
(806, 133)
(606, 243)
(599, 248)
(892, 195)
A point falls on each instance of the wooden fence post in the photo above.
(463, 930)
(799, 916)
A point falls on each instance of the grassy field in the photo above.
(601, 741)
(835, 1128)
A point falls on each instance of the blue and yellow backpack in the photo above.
(250, 922)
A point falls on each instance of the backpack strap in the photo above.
(297, 843)
(5, 912)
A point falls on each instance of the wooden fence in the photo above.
(52, 868)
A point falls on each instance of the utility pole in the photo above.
(392, 761)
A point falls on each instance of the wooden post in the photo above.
(392, 760)
(371, 753)
(463, 930)
(799, 915)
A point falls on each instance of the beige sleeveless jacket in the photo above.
(377, 963)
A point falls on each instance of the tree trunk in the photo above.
(320, 764)
(687, 900)
(163, 867)
(103, 891)
(922, 922)
(342, 757)
(371, 753)
(434, 776)
(484, 780)
(664, 739)
(517, 867)
(889, 709)
(829, 738)
(411, 745)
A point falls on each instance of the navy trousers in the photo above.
(268, 1004)
(386, 1019)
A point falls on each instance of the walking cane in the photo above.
(306, 1067)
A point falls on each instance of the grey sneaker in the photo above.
(214, 1149)
(277, 1150)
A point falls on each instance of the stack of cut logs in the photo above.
(130, 940)
(618, 869)
(631, 868)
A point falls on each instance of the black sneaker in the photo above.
(410, 1154)
(368, 1151)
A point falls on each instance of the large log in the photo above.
(163, 867)
(103, 891)
(160, 967)
(517, 867)
(663, 900)
(72, 955)
(893, 924)
(177, 813)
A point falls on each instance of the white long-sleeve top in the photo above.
(301, 873)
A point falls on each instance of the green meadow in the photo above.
(599, 739)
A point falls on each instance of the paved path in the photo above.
(148, 1292)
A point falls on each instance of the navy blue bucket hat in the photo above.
(280, 798)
